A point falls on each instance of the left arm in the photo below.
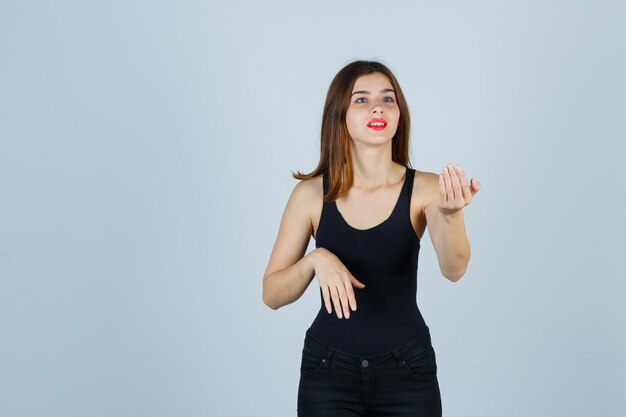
(446, 223)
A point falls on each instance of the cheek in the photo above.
(352, 127)
(396, 115)
(351, 121)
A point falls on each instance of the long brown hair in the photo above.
(335, 158)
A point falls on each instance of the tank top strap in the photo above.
(407, 191)
(409, 183)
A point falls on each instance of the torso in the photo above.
(380, 205)
(376, 235)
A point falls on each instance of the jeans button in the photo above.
(364, 363)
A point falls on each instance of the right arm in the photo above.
(289, 272)
(287, 285)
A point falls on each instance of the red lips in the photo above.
(383, 121)
(377, 120)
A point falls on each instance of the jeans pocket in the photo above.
(312, 361)
(420, 363)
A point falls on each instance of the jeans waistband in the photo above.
(421, 343)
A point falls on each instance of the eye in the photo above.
(363, 98)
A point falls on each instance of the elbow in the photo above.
(269, 304)
(455, 275)
(268, 301)
(266, 294)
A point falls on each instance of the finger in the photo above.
(326, 295)
(456, 184)
(446, 178)
(443, 196)
(357, 282)
(476, 185)
(344, 300)
(351, 297)
(466, 192)
(336, 302)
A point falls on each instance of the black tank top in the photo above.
(384, 258)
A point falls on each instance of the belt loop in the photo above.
(399, 361)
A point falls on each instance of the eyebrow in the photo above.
(384, 90)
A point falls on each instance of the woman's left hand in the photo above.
(454, 190)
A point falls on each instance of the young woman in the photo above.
(368, 352)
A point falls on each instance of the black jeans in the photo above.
(401, 382)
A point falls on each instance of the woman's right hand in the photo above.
(336, 282)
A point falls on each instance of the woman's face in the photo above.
(372, 98)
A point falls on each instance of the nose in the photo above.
(377, 109)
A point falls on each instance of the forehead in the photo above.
(376, 81)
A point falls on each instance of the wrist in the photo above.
(310, 259)
(450, 214)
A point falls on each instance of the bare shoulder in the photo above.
(313, 189)
(425, 189)
(295, 227)
(430, 212)
(304, 198)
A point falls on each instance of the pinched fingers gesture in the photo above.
(455, 191)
